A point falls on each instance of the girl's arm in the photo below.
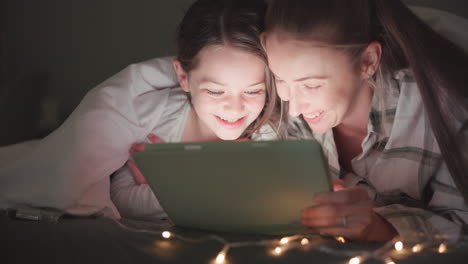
(69, 169)
(134, 200)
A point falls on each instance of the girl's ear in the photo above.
(181, 75)
(370, 60)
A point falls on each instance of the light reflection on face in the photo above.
(320, 83)
(227, 89)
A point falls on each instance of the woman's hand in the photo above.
(348, 213)
(139, 147)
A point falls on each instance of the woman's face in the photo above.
(227, 89)
(320, 83)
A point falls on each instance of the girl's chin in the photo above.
(228, 137)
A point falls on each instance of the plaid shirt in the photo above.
(401, 164)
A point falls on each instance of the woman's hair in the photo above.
(236, 23)
(439, 66)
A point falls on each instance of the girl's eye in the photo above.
(214, 93)
(254, 92)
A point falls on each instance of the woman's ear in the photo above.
(370, 60)
(182, 76)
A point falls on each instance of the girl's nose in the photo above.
(234, 105)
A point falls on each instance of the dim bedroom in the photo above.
(73, 159)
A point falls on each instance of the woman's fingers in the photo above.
(332, 215)
(346, 196)
(338, 185)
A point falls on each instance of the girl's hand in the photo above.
(139, 147)
(348, 213)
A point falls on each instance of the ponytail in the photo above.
(440, 69)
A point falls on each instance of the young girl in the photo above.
(221, 66)
(216, 89)
(386, 96)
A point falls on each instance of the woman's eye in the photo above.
(312, 87)
(214, 93)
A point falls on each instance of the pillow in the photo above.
(451, 26)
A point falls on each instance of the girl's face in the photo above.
(320, 83)
(227, 89)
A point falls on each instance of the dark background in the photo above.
(53, 51)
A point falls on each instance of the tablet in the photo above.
(252, 187)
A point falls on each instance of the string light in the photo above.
(278, 250)
(341, 239)
(220, 258)
(166, 234)
(417, 248)
(442, 248)
(355, 260)
(436, 242)
(284, 241)
(399, 246)
(305, 241)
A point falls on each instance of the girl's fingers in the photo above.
(137, 147)
(140, 147)
(154, 139)
(137, 175)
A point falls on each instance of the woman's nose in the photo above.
(296, 103)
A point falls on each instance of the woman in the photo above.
(386, 97)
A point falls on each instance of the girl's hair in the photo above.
(439, 66)
(236, 23)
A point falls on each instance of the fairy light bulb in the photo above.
(399, 246)
(284, 241)
(166, 234)
(304, 241)
(341, 239)
(442, 248)
(221, 258)
(278, 251)
(355, 260)
(389, 261)
(417, 248)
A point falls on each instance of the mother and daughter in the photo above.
(379, 89)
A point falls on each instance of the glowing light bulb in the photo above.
(166, 234)
(220, 258)
(389, 261)
(417, 248)
(442, 248)
(355, 260)
(284, 240)
(304, 241)
(399, 246)
(278, 250)
(341, 239)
